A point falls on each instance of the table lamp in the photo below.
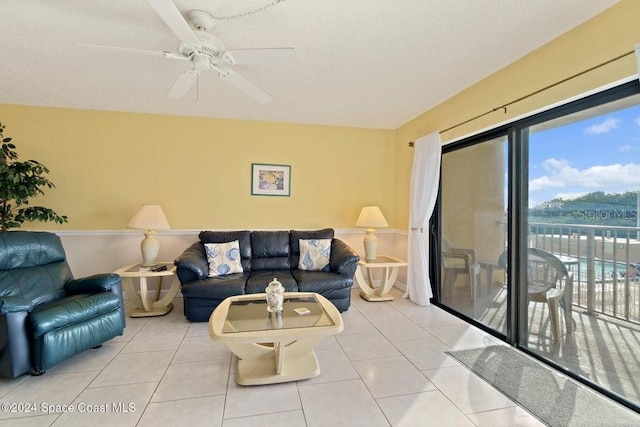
(371, 217)
(149, 218)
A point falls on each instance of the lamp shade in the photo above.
(371, 217)
(149, 217)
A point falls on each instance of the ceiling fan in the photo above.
(206, 52)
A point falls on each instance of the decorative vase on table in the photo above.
(275, 296)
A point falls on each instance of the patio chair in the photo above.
(456, 261)
(548, 281)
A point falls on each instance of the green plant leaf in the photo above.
(19, 182)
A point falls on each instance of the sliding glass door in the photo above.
(473, 220)
(583, 267)
(539, 238)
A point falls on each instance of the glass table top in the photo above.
(381, 259)
(137, 268)
(252, 315)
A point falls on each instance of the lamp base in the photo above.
(370, 245)
(150, 248)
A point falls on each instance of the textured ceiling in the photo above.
(363, 63)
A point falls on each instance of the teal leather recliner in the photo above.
(47, 316)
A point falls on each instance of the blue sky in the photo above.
(597, 154)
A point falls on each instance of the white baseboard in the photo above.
(400, 285)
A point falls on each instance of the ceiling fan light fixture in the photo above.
(201, 63)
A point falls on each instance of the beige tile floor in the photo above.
(387, 367)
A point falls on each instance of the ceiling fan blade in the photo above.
(174, 20)
(244, 86)
(286, 55)
(183, 84)
(164, 53)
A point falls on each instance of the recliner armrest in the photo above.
(343, 259)
(192, 264)
(11, 304)
(92, 284)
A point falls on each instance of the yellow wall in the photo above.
(105, 164)
(612, 33)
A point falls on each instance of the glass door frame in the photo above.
(517, 134)
(436, 229)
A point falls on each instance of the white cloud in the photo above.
(637, 121)
(625, 149)
(544, 182)
(561, 174)
(604, 127)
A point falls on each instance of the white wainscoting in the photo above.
(90, 252)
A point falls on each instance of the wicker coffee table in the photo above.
(274, 347)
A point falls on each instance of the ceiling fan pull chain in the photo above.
(198, 89)
(250, 12)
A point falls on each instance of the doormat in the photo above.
(553, 398)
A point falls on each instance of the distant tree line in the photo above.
(597, 208)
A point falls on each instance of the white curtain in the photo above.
(425, 177)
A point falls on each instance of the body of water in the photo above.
(604, 269)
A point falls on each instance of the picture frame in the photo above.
(270, 180)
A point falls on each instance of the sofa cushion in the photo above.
(296, 235)
(62, 343)
(243, 238)
(24, 249)
(71, 311)
(223, 258)
(39, 284)
(259, 280)
(217, 288)
(320, 281)
(314, 254)
(270, 250)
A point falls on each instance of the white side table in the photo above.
(390, 267)
(144, 305)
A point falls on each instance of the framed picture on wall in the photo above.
(270, 180)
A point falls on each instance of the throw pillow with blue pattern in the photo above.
(223, 258)
(314, 254)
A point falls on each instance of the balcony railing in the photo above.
(603, 260)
